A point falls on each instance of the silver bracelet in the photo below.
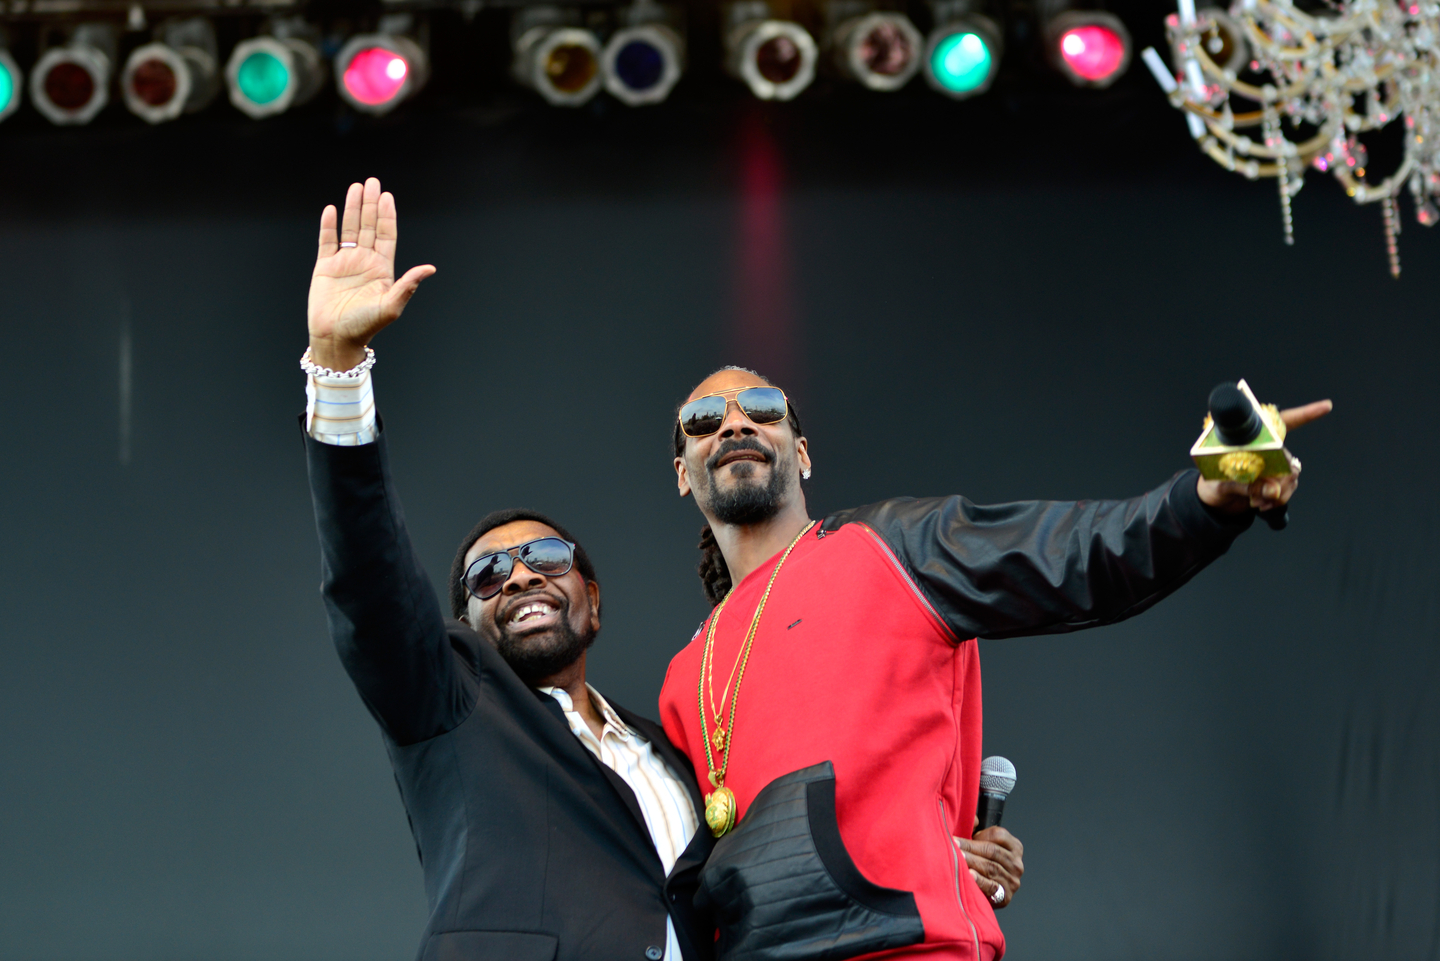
(354, 373)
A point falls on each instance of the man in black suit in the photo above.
(550, 823)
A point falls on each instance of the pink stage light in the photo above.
(375, 75)
(1094, 52)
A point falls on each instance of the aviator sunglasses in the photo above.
(704, 415)
(548, 556)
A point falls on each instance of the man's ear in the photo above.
(593, 589)
(802, 452)
(682, 477)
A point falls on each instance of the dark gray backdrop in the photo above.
(1008, 299)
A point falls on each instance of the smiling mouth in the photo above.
(739, 456)
(529, 612)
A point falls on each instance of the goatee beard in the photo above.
(743, 503)
(539, 656)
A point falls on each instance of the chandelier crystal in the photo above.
(1271, 90)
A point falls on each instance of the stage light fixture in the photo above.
(775, 58)
(555, 56)
(268, 75)
(176, 74)
(1089, 47)
(11, 81)
(879, 48)
(962, 54)
(71, 84)
(376, 72)
(643, 60)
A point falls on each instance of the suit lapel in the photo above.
(617, 783)
(695, 853)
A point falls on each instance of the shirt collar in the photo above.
(612, 720)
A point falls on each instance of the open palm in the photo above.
(353, 291)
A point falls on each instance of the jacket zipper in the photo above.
(910, 582)
(955, 869)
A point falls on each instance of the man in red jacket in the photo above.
(831, 702)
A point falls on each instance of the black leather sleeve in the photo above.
(1045, 567)
(384, 616)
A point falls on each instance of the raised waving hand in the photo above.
(353, 291)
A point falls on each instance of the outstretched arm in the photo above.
(383, 614)
(1039, 567)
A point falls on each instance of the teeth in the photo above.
(538, 609)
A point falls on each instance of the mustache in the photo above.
(731, 446)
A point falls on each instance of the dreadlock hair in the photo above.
(460, 598)
(714, 575)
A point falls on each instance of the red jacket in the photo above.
(866, 657)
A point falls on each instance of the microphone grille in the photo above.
(1234, 416)
(997, 776)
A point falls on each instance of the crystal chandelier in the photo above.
(1269, 90)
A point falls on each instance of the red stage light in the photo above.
(71, 84)
(375, 75)
(1091, 48)
(1093, 52)
(175, 74)
(376, 72)
(775, 58)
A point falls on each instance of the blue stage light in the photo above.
(642, 63)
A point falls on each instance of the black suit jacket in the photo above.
(532, 849)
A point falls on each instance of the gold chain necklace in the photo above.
(720, 804)
(718, 710)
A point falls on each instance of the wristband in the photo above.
(354, 373)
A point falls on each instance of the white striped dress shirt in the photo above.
(341, 411)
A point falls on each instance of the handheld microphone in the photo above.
(1243, 440)
(997, 780)
(1236, 421)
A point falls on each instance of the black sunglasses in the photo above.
(704, 415)
(548, 556)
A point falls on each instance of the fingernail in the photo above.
(975, 876)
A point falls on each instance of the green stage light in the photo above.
(268, 75)
(963, 55)
(9, 85)
(962, 61)
(262, 77)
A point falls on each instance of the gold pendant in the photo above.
(718, 738)
(720, 811)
